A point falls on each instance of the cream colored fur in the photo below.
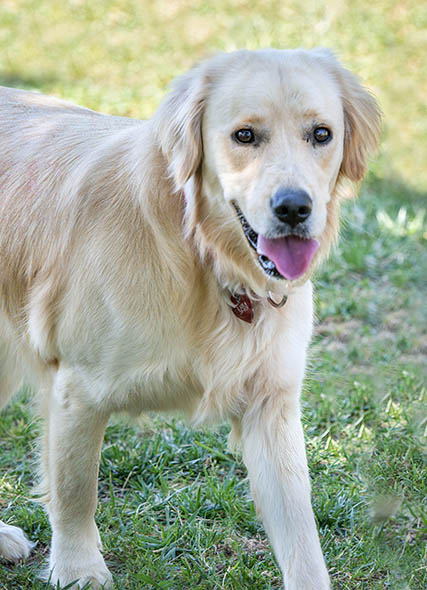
(115, 289)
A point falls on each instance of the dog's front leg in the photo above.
(274, 453)
(75, 433)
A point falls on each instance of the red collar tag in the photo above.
(242, 307)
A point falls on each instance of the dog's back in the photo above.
(47, 146)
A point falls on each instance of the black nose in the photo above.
(291, 206)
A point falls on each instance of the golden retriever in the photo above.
(165, 265)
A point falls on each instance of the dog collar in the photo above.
(243, 306)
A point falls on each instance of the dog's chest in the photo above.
(177, 371)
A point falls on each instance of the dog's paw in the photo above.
(14, 545)
(81, 569)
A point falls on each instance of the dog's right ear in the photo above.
(179, 124)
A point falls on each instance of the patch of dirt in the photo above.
(395, 320)
(256, 545)
(341, 331)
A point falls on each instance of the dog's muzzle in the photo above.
(289, 255)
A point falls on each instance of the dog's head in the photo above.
(261, 142)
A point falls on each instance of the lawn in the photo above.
(175, 510)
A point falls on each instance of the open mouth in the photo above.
(287, 257)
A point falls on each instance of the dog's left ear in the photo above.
(362, 119)
(179, 124)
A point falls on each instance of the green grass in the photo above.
(174, 507)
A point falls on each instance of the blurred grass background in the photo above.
(174, 511)
(118, 55)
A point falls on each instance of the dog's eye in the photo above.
(322, 134)
(244, 136)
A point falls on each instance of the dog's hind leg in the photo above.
(13, 543)
(75, 434)
(274, 453)
(10, 375)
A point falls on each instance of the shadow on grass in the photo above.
(394, 191)
(13, 80)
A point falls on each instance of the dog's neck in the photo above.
(243, 301)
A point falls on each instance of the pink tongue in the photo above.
(291, 255)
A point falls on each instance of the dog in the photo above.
(165, 265)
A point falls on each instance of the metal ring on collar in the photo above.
(274, 303)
